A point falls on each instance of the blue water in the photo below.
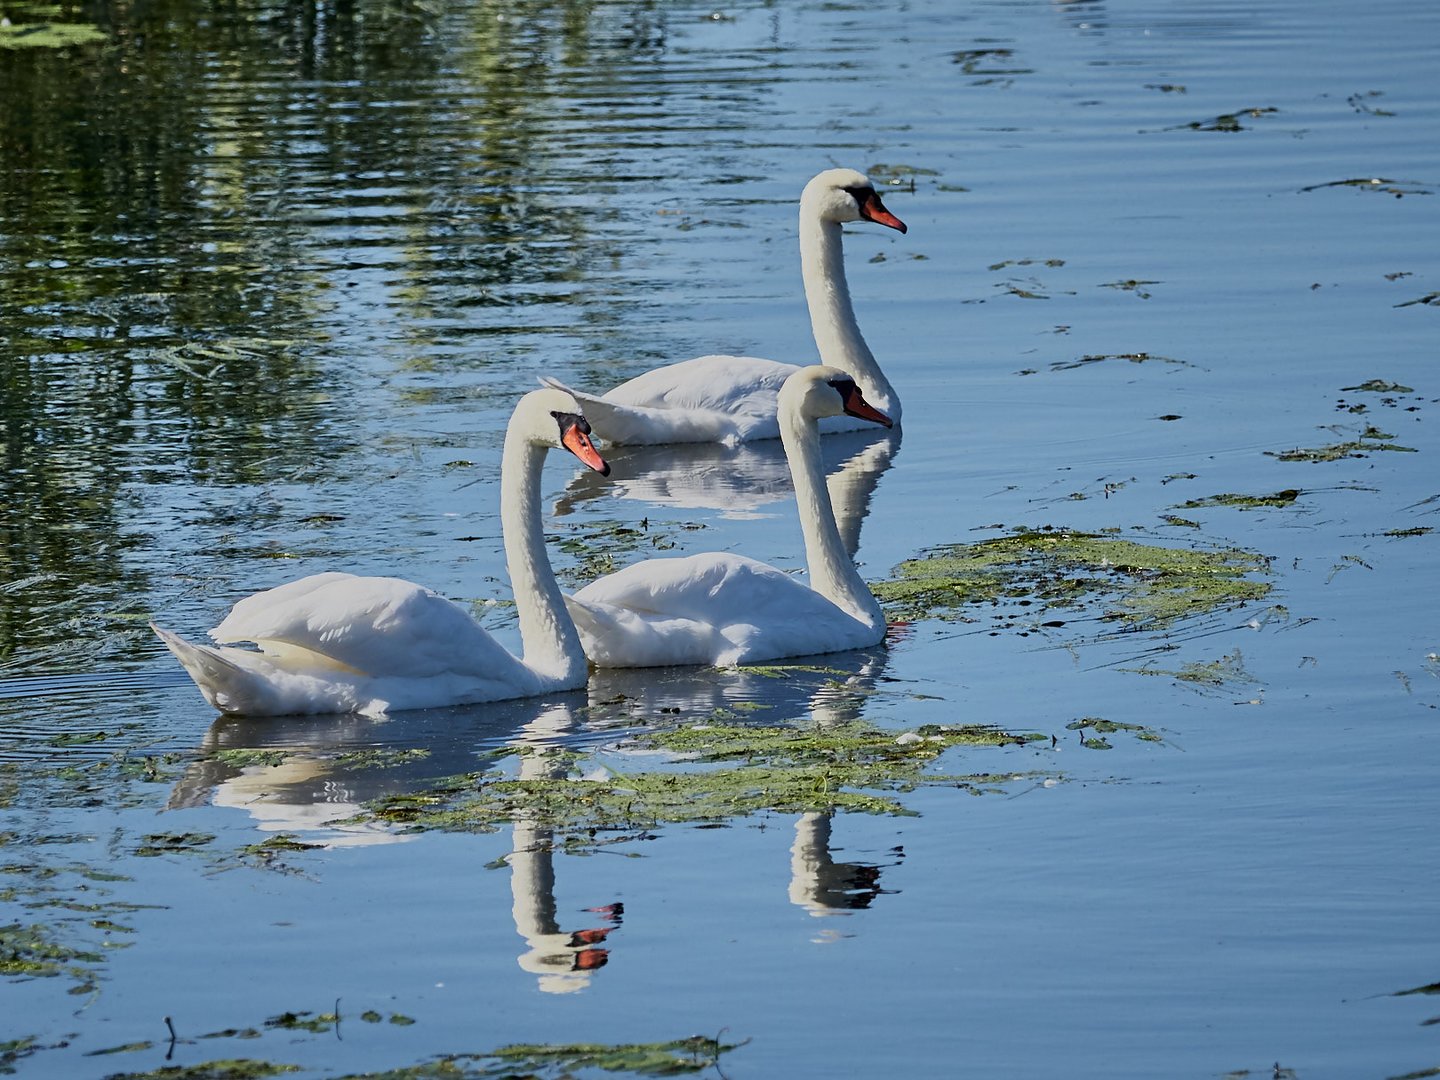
(1252, 891)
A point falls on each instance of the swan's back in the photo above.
(377, 626)
(718, 383)
(714, 608)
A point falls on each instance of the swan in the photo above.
(338, 643)
(724, 609)
(731, 399)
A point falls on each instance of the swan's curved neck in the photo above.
(552, 647)
(832, 573)
(832, 317)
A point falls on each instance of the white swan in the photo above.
(341, 643)
(727, 609)
(731, 399)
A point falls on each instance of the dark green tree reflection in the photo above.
(226, 227)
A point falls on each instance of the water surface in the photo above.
(272, 280)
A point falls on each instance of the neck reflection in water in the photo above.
(739, 480)
(308, 777)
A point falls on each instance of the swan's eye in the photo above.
(567, 420)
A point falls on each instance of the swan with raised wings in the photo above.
(732, 399)
(341, 643)
(723, 609)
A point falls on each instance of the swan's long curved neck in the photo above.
(832, 316)
(832, 573)
(552, 647)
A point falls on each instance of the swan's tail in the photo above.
(227, 685)
(642, 425)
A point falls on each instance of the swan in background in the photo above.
(725, 609)
(732, 399)
(341, 643)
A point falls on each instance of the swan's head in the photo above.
(820, 391)
(552, 418)
(842, 195)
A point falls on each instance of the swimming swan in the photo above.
(341, 643)
(725, 609)
(731, 399)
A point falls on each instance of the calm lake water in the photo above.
(271, 278)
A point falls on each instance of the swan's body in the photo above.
(724, 609)
(341, 643)
(732, 399)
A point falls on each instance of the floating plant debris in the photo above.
(1380, 184)
(1134, 358)
(1245, 502)
(789, 769)
(991, 61)
(50, 35)
(1370, 441)
(1380, 386)
(1140, 585)
(1227, 121)
(1226, 672)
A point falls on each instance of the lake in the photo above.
(1150, 792)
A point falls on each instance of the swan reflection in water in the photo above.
(328, 767)
(740, 480)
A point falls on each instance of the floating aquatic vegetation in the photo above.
(1415, 530)
(31, 951)
(1397, 188)
(1227, 121)
(381, 759)
(1143, 586)
(597, 544)
(1380, 386)
(226, 1069)
(1134, 358)
(1225, 673)
(554, 1062)
(1093, 730)
(1285, 497)
(1361, 103)
(1135, 285)
(715, 771)
(535, 1061)
(304, 1021)
(898, 175)
(48, 35)
(171, 843)
(1026, 262)
(1372, 439)
(1430, 299)
(988, 61)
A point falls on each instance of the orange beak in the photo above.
(856, 405)
(872, 209)
(579, 444)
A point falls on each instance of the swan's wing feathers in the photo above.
(711, 587)
(367, 625)
(716, 608)
(727, 384)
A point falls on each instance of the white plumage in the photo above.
(732, 399)
(722, 609)
(340, 643)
